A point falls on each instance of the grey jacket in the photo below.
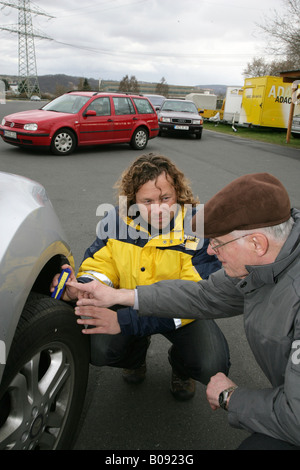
(269, 298)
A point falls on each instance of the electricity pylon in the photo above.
(27, 77)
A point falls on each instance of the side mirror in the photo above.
(90, 112)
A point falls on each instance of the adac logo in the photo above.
(280, 94)
(191, 242)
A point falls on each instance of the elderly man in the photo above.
(256, 236)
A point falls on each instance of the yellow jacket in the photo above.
(125, 255)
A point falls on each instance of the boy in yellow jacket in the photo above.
(145, 240)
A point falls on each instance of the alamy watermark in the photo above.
(2, 352)
(129, 220)
(296, 354)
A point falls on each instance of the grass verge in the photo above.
(270, 135)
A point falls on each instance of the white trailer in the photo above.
(203, 100)
(233, 102)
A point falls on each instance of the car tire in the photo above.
(139, 139)
(63, 142)
(43, 388)
(199, 135)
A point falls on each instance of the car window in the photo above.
(123, 105)
(67, 104)
(143, 106)
(156, 100)
(101, 106)
(179, 106)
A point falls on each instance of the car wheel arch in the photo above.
(139, 128)
(48, 335)
(64, 128)
(42, 276)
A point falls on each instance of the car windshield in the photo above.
(179, 106)
(155, 100)
(67, 104)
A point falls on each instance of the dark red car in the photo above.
(83, 118)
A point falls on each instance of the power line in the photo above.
(21, 6)
(27, 77)
(95, 7)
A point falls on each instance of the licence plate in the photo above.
(181, 128)
(12, 135)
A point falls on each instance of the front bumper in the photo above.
(296, 127)
(16, 137)
(180, 128)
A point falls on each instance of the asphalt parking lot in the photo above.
(119, 417)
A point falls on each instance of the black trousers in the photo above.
(199, 350)
(262, 442)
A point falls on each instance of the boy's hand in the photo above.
(70, 292)
(102, 320)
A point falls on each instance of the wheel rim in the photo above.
(141, 138)
(37, 401)
(63, 142)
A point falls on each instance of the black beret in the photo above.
(249, 202)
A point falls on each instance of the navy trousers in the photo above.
(199, 350)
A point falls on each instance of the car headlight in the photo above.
(196, 121)
(165, 119)
(3, 122)
(31, 127)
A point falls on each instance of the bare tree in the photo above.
(129, 85)
(124, 84)
(257, 68)
(162, 88)
(283, 42)
(134, 85)
(59, 89)
(283, 31)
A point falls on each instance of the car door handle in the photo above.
(135, 119)
(110, 120)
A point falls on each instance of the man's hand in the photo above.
(99, 295)
(102, 320)
(216, 385)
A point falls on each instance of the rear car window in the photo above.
(123, 105)
(143, 106)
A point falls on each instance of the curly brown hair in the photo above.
(148, 167)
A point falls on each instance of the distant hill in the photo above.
(218, 89)
(50, 83)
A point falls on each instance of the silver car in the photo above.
(296, 126)
(156, 101)
(44, 357)
(180, 116)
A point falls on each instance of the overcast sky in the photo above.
(188, 42)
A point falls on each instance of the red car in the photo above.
(83, 118)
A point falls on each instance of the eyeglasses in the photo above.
(216, 247)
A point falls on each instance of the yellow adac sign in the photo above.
(266, 102)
